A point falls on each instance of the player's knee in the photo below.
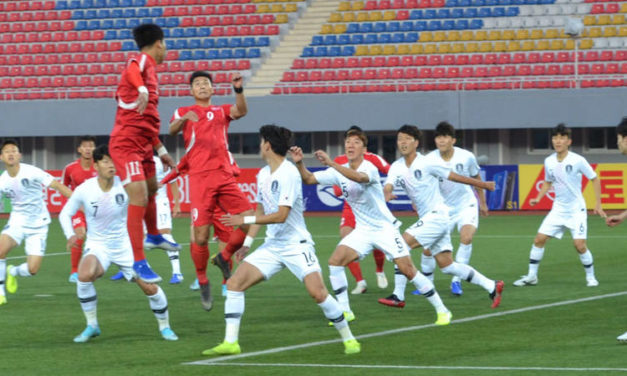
(319, 295)
(539, 241)
(581, 246)
(233, 284)
(201, 239)
(465, 239)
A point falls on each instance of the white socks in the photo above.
(426, 288)
(588, 263)
(333, 312)
(468, 273)
(159, 305)
(3, 273)
(89, 301)
(233, 311)
(337, 276)
(400, 282)
(21, 271)
(427, 266)
(535, 256)
(463, 256)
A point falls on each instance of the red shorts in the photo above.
(78, 220)
(212, 189)
(222, 232)
(348, 218)
(132, 157)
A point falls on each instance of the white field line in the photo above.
(405, 329)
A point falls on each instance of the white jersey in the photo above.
(366, 199)
(456, 195)
(26, 192)
(566, 179)
(283, 187)
(105, 213)
(421, 182)
(160, 174)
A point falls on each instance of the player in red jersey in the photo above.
(211, 180)
(347, 224)
(134, 136)
(74, 174)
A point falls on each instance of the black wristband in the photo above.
(238, 90)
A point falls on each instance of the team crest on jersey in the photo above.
(569, 169)
(24, 182)
(418, 174)
(210, 115)
(459, 167)
(119, 199)
(274, 186)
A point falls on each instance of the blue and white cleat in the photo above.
(143, 272)
(169, 335)
(223, 290)
(456, 288)
(158, 241)
(87, 334)
(195, 286)
(176, 279)
(117, 276)
(73, 278)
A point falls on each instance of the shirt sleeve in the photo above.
(289, 190)
(327, 177)
(258, 195)
(373, 174)
(227, 111)
(438, 170)
(586, 169)
(65, 177)
(381, 164)
(473, 166)
(133, 74)
(392, 176)
(70, 208)
(45, 178)
(547, 177)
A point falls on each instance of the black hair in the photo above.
(621, 129)
(562, 130)
(444, 128)
(353, 128)
(86, 139)
(280, 138)
(411, 130)
(9, 141)
(100, 152)
(197, 74)
(147, 34)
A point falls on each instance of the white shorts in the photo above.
(164, 214)
(271, 258)
(556, 222)
(123, 257)
(468, 215)
(34, 238)
(388, 240)
(432, 232)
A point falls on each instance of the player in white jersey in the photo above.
(288, 244)
(23, 184)
(419, 177)
(563, 171)
(375, 227)
(105, 203)
(460, 198)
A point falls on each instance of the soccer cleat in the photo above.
(592, 282)
(392, 301)
(169, 335)
(11, 281)
(416, 292)
(622, 337)
(87, 334)
(497, 293)
(223, 290)
(158, 241)
(526, 280)
(351, 346)
(222, 264)
(348, 316)
(444, 318)
(456, 288)
(117, 276)
(360, 288)
(73, 278)
(194, 286)
(382, 281)
(143, 272)
(206, 300)
(3, 299)
(225, 348)
(176, 279)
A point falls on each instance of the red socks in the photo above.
(200, 256)
(76, 253)
(355, 270)
(379, 260)
(135, 228)
(150, 217)
(235, 242)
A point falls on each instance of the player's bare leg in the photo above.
(341, 257)
(89, 270)
(587, 261)
(354, 266)
(464, 251)
(235, 242)
(535, 256)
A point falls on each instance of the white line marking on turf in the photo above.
(380, 366)
(43, 296)
(407, 329)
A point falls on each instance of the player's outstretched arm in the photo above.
(177, 124)
(176, 198)
(483, 205)
(57, 186)
(241, 107)
(598, 209)
(388, 192)
(279, 216)
(297, 157)
(349, 173)
(65, 218)
(616, 220)
(546, 185)
(250, 236)
(489, 185)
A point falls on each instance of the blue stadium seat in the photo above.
(80, 25)
(185, 55)
(485, 12)
(87, 4)
(117, 13)
(239, 53)
(113, 3)
(169, 44)
(61, 5)
(190, 32)
(320, 52)
(463, 3)
(248, 42)
(139, 3)
(126, 3)
(411, 37)
(91, 14)
(208, 43)
(448, 25)
(365, 27)
(194, 44)
(498, 12)
(143, 12)
(379, 27)
(78, 15)
(222, 43)
(416, 14)
(156, 12)
(419, 26)
(147, 20)
(125, 34)
(180, 44)
(461, 25)
(213, 54)
(74, 4)
(104, 13)
(348, 51)
(398, 38)
(546, 2)
(408, 25)
(371, 39)
(330, 40)
(93, 25)
(100, 4)
(504, 2)
(107, 24)
(172, 22)
(253, 53)
(199, 55)
(491, 3)
(344, 39)
(352, 28)
(129, 13)
(110, 34)
(394, 27)
(518, 2)
(335, 51)
(512, 12)
(204, 31)
(120, 24)
(476, 24)
(444, 13)
(307, 52)
(477, 3)
(233, 43)
(133, 23)
(385, 38)
(317, 40)
(457, 13)
(128, 46)
(451, 3)
(470, 12)
(430, 14)
(357, 39)
(166, 32)
(434, 25)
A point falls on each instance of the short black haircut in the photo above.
(9, 141)
(86, 139)
(562, 130)
(353, 128)
(100, 152)
(411, 130)
(621, 129)
(147, 35)
(200, 73)
(444, 128)
(280, 138)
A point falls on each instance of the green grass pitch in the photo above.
(40, 320)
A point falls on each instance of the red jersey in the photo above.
(206, 141)
(128, 121)
(74, 174)
(379, 163)
(182, 168)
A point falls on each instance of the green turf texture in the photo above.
(39, 322)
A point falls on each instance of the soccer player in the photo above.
(23, 184)
(105, 202)
(134, 136)
(419, 177)
(347, 224)
(74, 174)
(459, 197)
(211, 180)
(562, 171)
(288, 244)
(375, 227)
